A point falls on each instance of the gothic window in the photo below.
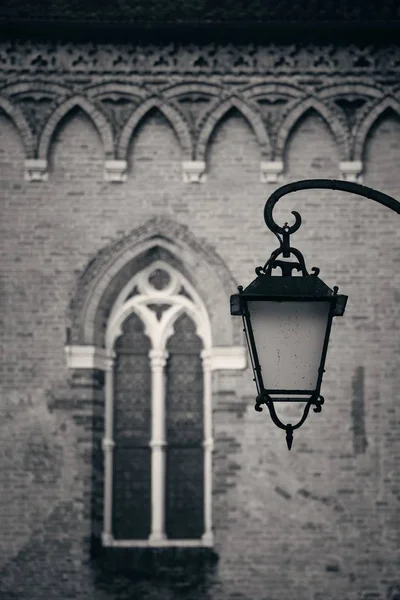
(158, 438)
(184, 433)
(132, 433)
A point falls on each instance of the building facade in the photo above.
(133, 464)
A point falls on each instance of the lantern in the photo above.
(287, 319)
(287, 322)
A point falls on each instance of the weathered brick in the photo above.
(318, 522)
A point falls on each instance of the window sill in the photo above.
(109, 542)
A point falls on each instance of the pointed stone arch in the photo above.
(99, 120)
(177, 121)
(159, 239)
(249, 113)
(352, 88)
(363, 130)
(254, 90)
(130, 89)
(192, 87)
(21, 124)
(33, 85)
(338, 130)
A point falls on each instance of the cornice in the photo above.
(199, 59)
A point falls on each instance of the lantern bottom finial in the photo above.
(289, 435)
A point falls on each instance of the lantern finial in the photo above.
(289, 435)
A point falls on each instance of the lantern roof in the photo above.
(306, 286)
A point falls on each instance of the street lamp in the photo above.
(287, 318)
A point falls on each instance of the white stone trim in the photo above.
(88, 357)
(228, 357)
(208, 444)
(107, 445)
(36, 169)
(158, 359)
(158, 331)
(194, 171)
(115, 170)
(351, 170)
(108, 450)
(109, 541)
(93, 357)
(271, 171)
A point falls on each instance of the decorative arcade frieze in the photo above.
(194, 87)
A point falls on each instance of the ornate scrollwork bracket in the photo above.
(283, 233)
(318, 401)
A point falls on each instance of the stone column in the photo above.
(108, 449)
(157, 444)
(208, 445)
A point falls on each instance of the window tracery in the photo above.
(158, 430)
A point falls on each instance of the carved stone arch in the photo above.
(116, 88)
(102, 125)
(159, 239)
(249, 113)
(17, 117)
(338, 130)
(366, 124)
(177, 121)
(191, 87)
(45, 87)
(260, 89)
(356, 88)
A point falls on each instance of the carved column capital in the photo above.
(193, 171)
(107, 445)
(36, 169)
(158, 358)
(115, 170)
(271, 171)
(351, 170)
(207, 358)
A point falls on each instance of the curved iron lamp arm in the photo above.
(326, 184)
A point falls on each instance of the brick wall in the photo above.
(320, 522)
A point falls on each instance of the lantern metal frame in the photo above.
(288, 288)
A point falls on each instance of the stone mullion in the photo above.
(208, 445)
(108, 450)
(157, 444)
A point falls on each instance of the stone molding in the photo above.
(115, 171)
(226, 357)
(206, 541)
(351, 170)
(103, 58)
(88, 357)
(194, 171)
(271, 171)
(91, 357)
(36, 169)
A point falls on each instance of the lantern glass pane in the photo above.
(289, 338)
